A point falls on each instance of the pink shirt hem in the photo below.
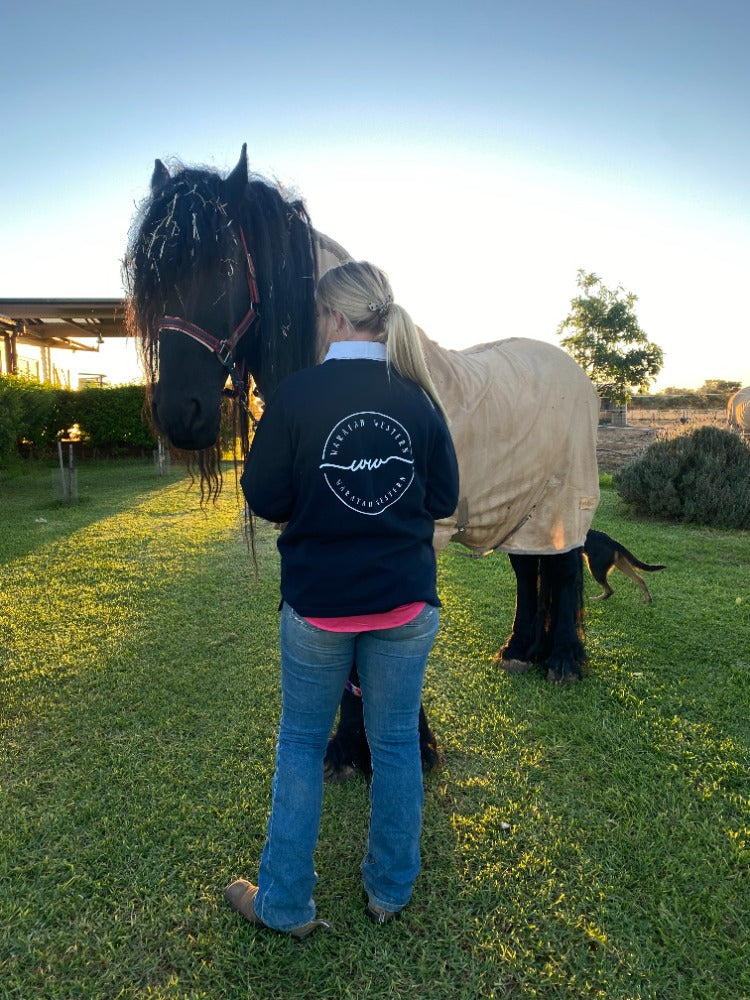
(367, 623)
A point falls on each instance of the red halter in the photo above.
(224, 349)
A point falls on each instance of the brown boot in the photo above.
(241, 894)
(377, 914)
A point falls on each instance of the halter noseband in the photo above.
(224, 349)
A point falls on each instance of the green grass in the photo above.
(589, 841)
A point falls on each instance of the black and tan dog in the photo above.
(604, 553)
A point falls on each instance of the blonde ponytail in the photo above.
(362, 294)
(405, 353)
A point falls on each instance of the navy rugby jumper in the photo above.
(359, 463)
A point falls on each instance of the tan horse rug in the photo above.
(524, 420)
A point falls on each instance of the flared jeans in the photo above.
(315, 665)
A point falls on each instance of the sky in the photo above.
(481, 152)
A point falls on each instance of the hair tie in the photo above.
(382, 308)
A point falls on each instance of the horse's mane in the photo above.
(184, 229)
(187, 229)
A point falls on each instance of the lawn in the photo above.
(589, 841)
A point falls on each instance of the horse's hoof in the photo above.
(515, 666)
(338, 775)
(562, 679)
(430, 759)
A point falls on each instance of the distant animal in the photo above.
(738, 411)
(603, 554)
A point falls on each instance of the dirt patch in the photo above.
(616, 446)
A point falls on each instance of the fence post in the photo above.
(69, 476)
(162, 457)
(63, 481)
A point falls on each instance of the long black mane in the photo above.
(187, 229)
(185, 242)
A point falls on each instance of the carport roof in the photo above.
(55, 322)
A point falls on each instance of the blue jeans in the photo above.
(315, 665)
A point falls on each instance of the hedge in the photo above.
(34, 417)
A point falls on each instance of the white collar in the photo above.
(347, 350)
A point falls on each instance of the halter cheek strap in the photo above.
(224, 349)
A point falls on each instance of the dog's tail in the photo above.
(646, 567)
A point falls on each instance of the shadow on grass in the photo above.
(33, 517)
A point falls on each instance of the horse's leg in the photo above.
(428, 750)
(518, 653)
(548, 624)
(562, 582)
(348, 750)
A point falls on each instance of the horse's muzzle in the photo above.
(184, 421)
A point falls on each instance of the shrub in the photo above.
(112, 417)
(33, 417)
(700, 477)
(10, 417)
(42, 414)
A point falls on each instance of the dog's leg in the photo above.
(606, 589)
(624, 567)
(599, 566)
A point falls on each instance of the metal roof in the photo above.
(55, 322)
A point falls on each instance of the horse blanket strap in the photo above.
(462, 514)
(352, 688)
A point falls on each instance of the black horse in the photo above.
(221, 276)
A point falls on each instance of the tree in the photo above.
(605, 338)
(719, 386)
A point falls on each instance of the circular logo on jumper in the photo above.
(367, 462)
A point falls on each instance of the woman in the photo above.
(356, 457)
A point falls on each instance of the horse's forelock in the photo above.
(181, 228)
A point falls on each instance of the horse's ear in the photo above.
(236, 182)
(159, 177)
